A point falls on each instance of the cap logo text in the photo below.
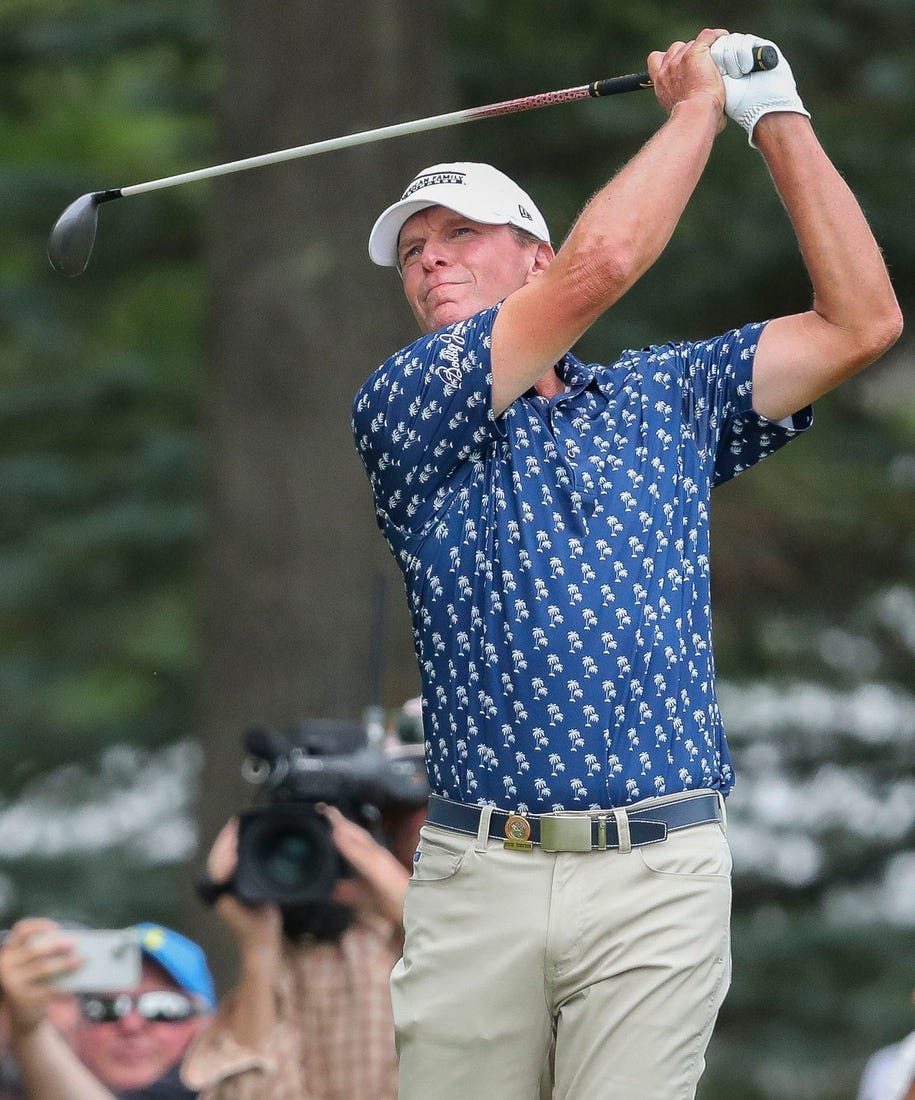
(431, 180)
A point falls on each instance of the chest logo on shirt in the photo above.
(452, 346)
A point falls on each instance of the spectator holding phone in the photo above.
(126, 1044)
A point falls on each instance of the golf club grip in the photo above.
(765, 57)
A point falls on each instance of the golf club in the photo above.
(73, 235)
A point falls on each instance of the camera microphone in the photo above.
(267, 761)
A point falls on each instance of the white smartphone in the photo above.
(111, 961)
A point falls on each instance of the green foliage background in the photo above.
(103, 510)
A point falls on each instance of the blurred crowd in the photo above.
(309, 1017)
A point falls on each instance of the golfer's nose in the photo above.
(435, 254)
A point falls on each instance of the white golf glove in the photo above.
(749, 95)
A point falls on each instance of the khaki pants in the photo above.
(610, 965)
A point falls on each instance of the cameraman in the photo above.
(311, 1015)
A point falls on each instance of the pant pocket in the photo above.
(438, 855)
(701, 850)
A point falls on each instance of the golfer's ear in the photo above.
(543, 257)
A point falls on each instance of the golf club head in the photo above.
(73, 235)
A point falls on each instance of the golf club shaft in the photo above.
(599, 88)
(73, 235)
(766, 58)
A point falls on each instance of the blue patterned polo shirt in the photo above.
(556, 561)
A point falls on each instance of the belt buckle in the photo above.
(565, 833)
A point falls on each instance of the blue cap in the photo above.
(180, 957)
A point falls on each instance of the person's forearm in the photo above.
(392, 895)
(616, 238)
(51, 1071)
(628, 223)
(851, 287)
(253, 1014)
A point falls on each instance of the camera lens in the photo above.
(288, 859)
(286, 855)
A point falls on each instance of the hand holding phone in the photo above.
(109, 960)
(37, 950)
(35, 955)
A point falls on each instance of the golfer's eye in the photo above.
(411, 253)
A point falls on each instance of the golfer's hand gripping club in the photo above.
(758, 56)
(752, 91)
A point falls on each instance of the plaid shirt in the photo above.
(334, 1036)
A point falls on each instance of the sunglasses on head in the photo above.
(156, 1006)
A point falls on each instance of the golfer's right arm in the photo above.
(622, 230)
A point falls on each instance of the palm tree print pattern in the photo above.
(556, 561)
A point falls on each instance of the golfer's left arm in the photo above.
(855, 317)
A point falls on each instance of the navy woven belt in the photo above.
(580, 832)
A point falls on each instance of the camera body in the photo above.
(286, 853)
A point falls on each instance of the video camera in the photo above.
(286, 852)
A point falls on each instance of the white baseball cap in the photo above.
(476, 191)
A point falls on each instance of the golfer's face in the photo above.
(453, 267)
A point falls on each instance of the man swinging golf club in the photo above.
(571, 892)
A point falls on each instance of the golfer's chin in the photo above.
(443, 314)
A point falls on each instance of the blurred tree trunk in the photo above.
(293, 560)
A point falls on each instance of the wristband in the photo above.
(209, 891)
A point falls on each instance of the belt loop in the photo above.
(622, 829)
(724, 812)
(602, 832)
(483, 829)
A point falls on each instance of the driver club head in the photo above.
(73, 235)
